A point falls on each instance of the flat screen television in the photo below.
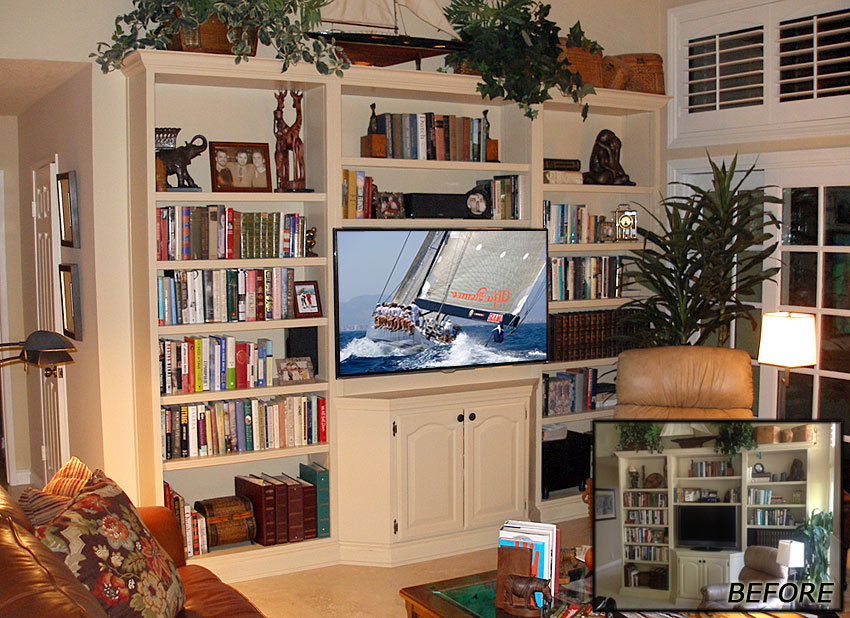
(420, 299)
(709, 526)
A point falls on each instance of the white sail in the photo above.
(382, 13)
(375, 13)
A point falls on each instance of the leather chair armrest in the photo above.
(716, 592)
(164, 527)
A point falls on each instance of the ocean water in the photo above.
(359, 355)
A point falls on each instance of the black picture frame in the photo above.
(69, 209)
(69, 291)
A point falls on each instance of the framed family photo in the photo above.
(69, 209)
(240, 166)
(605, 504)
(295, 370)
(307, 303)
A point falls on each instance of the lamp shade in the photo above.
(791, 554)
(787, 339)
(44, 348)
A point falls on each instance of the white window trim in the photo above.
(772, 120)
(775, 165)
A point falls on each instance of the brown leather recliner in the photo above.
(684, 382)
(759, 566)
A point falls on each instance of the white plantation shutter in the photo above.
(748, 70)
(814, 56)
(726, 70)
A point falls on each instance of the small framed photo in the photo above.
(604, 504)
(389, 205)
(307, 302)
(69, 209)
(607, 230)
(69, 289)
(691, 494)
(295, 370)
(240, 166)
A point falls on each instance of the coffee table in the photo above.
(472, 597)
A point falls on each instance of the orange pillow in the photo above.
(41, 506)
(69, 479)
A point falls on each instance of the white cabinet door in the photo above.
(690, 578)
(429, 474)
(716, 571)
(494, 456)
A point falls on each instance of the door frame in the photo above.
(13, 475)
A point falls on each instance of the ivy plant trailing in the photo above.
(284, 25)
(516, 49)
(703, 263)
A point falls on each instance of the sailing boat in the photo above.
(485, 276)
(385, 49)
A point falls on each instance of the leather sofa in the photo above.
(36, 582)
(759, 566)
(684, 382)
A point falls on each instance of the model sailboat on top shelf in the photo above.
(379, 49)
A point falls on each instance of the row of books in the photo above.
(218, 232)
(646, 517)
(768, 538)
(193, 525)
(771, 517)
(357, 194)
(646, 535)
(225, 295)
(732, 495)
(583, 335)
(214, 363)
(655, 554)
(566, 392)
(242, 425)
(585, 278)
(710, 468)
(434, 137)
(657, 578)
(763, 496)
(287, 509)
(644, 498)
(544, 541)
(570, 224)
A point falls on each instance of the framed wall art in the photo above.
(240, 166)
(604, 504)
(69, 209)
(69, 290)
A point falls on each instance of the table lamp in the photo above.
(787, 340)
(791, 554)
(43, 349)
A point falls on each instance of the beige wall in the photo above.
(17, 427)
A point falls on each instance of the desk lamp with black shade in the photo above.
(43, 349)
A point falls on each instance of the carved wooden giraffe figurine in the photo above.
(299, 176)
(282, 143)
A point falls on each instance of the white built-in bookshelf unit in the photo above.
(694, 476)
(212, 96)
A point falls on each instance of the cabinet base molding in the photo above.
(408, 552)
(562, 509)
(238, 564)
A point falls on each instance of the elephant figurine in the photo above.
(176, 161)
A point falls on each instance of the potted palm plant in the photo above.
(284, 25)
(703, 264)
(516, 50)
(815, 532)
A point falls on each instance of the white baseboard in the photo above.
(20, 477)
(563, 509)
(397, 554)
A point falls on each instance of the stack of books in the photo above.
(219, 232)
(288, 509)
(584, 335)
(562, 171)
(544, 541)
(242, 425)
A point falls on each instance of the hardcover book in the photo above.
(262, 496)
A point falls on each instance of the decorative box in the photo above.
(786, 435)
(804, 433)
(229, 519)
(767, 434)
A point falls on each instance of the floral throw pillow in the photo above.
(111, 553)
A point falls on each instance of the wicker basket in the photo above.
(767, 434)
(210, 37)
(615, 73)
(588, 65)
(647, 72)
(804, 433)
(786, 435)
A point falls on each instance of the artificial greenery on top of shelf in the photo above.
(516, 49)
(639, 436)
(284, 25)
(733, 436)
(707, 258)
(815, 532)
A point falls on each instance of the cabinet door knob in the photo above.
(472, 416)
(460, 418)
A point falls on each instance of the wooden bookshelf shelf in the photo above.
(578, 416)
(188, 463)
(598, 303)
(241, 263)
(706, 504)
(590, 362)
(265, 391)
(560, 188)
(698, 479)
(645, 525)
(595, 248)
(218, 327)
(646, 561)
(775, 483)
(775, 506)
(418, 164)
(435, 223)
(660, 490)
(650, 544)
(755, 527)
(234, 197)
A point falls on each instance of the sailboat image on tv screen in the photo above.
(480, 276)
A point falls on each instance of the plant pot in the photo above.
(210, 38)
